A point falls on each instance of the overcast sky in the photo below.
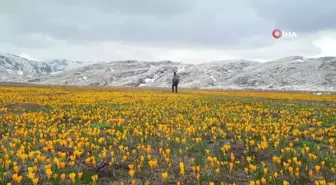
(191, 31)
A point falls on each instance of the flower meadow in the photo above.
(90, 135)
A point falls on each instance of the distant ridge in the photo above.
(288, 73)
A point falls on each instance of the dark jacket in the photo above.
(176, 80)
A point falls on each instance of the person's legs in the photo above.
(173, 88)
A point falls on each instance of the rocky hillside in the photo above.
(120, 73)
(14, 68)
(289, 73)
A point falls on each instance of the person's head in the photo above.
(174, 73)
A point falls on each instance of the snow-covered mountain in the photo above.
(65, 65)
(119, 73)
(289, 73)
(14, 68)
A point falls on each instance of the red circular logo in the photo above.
(276, 33)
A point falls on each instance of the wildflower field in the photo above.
(85, 135)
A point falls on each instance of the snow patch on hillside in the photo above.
(20, 73)
(213, 78)
(10, 71)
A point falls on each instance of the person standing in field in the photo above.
(176, 81)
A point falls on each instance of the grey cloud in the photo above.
(131, 7)
(300, 16)
(218, 23)
(242, 27)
